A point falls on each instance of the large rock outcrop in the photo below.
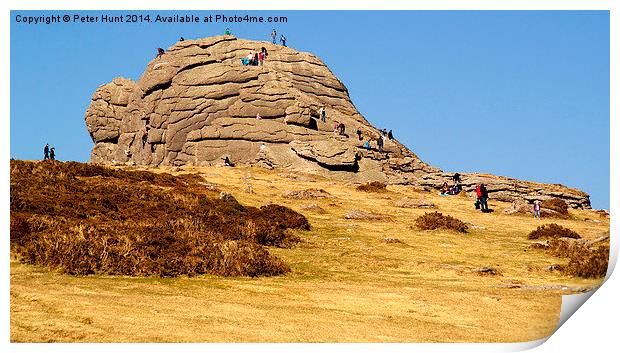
(197, 104)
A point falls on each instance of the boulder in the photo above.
(197, 103)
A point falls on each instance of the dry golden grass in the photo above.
(346, 283)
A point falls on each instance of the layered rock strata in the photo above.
(197, 104)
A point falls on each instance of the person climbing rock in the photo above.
(323, 114)
(336, 125)
(181, 39)
(248, 59)
(536, 209)
(46, 152)
(160, 52)
(274, 36)
(380, 143)
(367, 145)
(53, 154)
(359, 134)
(390, 136)
(341, 129)
(261, 58)
(227, 31)
(283, 40)
(484, 197)
(258, 116)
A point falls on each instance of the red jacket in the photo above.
(478, 192)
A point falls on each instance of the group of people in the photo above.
(274, 36)
(49, 153)
(255, 58)
(482, 195)
(455, 189)
(339, 129)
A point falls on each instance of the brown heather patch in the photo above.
(552, 231)
(86, 219)
(585, 260)
(436, 220)
(373, 186)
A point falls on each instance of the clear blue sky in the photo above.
(516, 93)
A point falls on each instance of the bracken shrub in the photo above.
(85, 219)
(374, 186)
(585, 259)
(591, 263)
(554, 208)
(552, 231)
(436, 220)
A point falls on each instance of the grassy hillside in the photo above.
(363, 273)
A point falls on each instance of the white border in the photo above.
(592, 328)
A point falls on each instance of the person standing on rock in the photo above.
(380, 143)
(283, 40)
(261, 58)
(367, 145)
(46, 152)
(456, 178)
(390, 136)
(323, 114)
(227, 32)
(274, 36)
(53, 154)
(359, 134)
(536, 209)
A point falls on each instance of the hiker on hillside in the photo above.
(181, 39)
(53, 154)
(341, 129)
(484, 197)
(367, 145)
(380, 143)
(274, 36)
(390, 136)
(46, 152)
(227, 32)
(283, 40)
(536, 209)
(258, 116)
(160, 52)
(336, 124)
(478, 196)
(359, 134)
(227, 162)
(255, 60)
